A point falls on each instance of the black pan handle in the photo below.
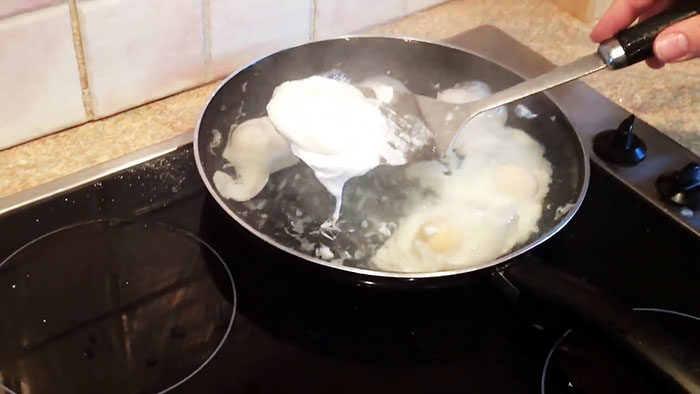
(637, 41)
(654, 347)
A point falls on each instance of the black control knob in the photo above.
(621, 145)
(681, 187)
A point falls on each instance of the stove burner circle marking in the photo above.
(549, 357)
(667, 311)
(230, 322)
(175, 229)
(559, 340)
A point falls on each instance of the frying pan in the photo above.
(425, 68)
(409, 61)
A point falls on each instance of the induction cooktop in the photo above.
(128, 278)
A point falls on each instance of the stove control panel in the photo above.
(621, 145)
(681, 187)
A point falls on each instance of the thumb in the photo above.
(679, 42)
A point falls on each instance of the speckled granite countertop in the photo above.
(668, 99)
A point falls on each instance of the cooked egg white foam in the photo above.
(333, 128)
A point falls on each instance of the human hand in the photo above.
(677, 43)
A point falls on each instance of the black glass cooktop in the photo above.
(139, 283)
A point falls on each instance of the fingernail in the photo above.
(671, 47)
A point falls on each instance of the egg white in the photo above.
(488, 196)
(256, 150)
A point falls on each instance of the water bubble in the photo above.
(88, 353)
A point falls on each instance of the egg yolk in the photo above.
(441, 236)
(515, 180)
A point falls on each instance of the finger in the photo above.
(620, 15)
(655, 9)
(679, 42)
(655, 63)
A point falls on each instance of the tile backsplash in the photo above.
(244, 30)
(140, 50)
(40, 87)
(335, 17)
(65, 62)
(13, 7)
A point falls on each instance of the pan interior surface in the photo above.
(290, 210)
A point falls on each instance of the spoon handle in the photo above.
(636, 43)
(560, 75)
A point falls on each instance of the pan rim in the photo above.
(411, 276)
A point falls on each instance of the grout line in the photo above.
(80, 58)
(312, 20)
(206, 31)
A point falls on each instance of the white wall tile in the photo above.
(245, 30)
(140, 50)
(14, 7)
(39, 80)
(417, 5)
(338, 17)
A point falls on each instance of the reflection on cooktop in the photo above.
(578, 363)
(111, 306)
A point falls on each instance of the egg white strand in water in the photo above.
(521, 111)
